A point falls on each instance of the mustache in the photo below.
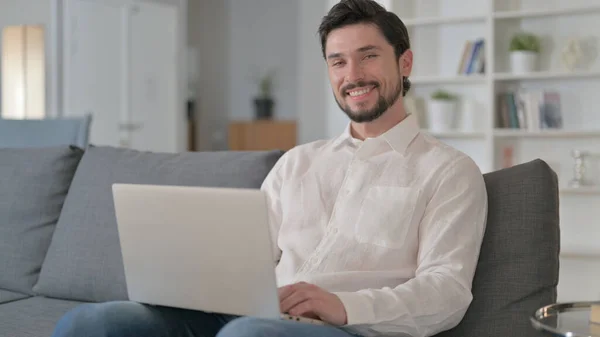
(359, 84)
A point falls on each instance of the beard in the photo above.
(368, 115)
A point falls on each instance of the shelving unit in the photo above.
(507, 133)
(594, 190)
(547, 75)
(537, 13)
(439, 30)
(427, 21)
(448, 79)
(456, 134)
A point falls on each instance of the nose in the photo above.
(355, 72)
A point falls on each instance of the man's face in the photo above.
(363, 71)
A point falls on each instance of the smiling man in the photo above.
(376, 232)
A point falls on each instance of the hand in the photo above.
(308, 300)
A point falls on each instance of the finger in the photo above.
(295, 298)
(287, 290)
(308, 308)
(284, 292)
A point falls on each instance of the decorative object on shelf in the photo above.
(524, 52)
(579, 179)
(572, 54)
(507, 156)
(264, 102)
(470, 112)
(579, 53)
(441, 111)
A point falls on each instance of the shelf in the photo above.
(580, 255)
(548, 133)
(481, 78)
(456, 134)
(546, 75)
(546, 12)
(429, 21)
(458, 79)
(581, 190)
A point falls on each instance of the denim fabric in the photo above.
(125, 319)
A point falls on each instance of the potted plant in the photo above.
(524, 51)
(263, 103)
(441, 111)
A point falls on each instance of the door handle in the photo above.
(130, 126)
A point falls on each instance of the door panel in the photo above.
(154, 100)
(93, 66)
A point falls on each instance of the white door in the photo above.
(154, 103)
(120, 66)
(94, 36)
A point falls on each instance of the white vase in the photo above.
(469, 116)
(522, 62)
(441, 115)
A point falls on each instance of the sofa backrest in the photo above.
(518, 266)
(25, 133)
(33, 186)
(84, 259)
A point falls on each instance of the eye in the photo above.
(370, 56)
(338, 63)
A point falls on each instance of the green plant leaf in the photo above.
(524, 41)
(443, 95)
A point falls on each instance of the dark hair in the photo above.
(349, 12)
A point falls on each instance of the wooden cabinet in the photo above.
(262, 135)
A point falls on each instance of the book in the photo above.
(530, 110)
(473, 58)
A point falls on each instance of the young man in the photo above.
(377, 231)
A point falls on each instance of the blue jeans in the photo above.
(130, 319)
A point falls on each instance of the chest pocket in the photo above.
(387, 214)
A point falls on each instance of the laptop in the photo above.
(198, 248)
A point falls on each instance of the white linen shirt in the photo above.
(392, 225)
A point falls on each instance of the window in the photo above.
(23, 72)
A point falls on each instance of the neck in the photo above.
(394, 115)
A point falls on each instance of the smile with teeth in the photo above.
(359, 92)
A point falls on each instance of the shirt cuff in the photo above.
(358, 308)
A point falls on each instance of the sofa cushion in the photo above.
(9, 296)
(84, 259)
(32, 317)
(33, 186)
(518, 266)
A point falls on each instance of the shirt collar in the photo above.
(398, 137)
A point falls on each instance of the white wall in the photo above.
(263, 36)
(313, 91)
(208, 28)
(283, 35)
(237, 42)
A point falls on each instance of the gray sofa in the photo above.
(59, 242)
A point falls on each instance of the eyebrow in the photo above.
(361, 50)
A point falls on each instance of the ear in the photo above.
(405, 63)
